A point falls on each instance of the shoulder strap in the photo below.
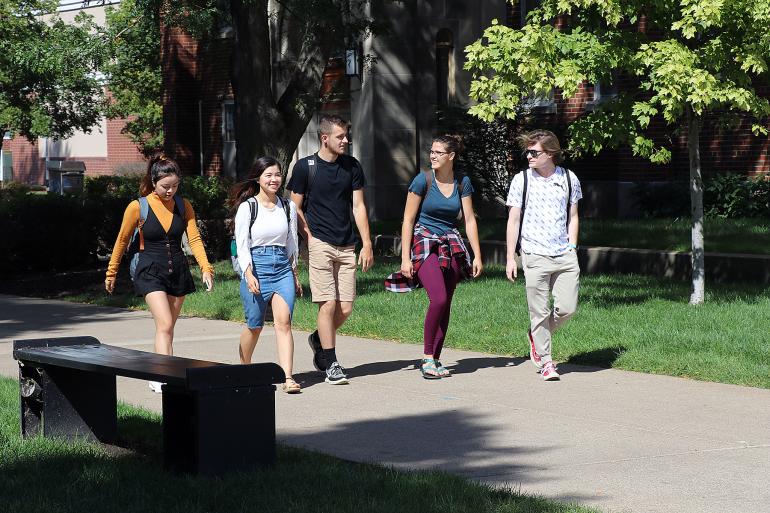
(428, 184)
(311, 166)
(286, 209)
(253, 210)
(180, 205)
(523, 207)
(569, 194)
(144, 211)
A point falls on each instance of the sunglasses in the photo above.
(532, 153)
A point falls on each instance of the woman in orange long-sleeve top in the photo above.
(162, 275)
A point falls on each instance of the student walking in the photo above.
(324, 187)
(543, 227)
(162, 274)
(433, 254)
(266, 241)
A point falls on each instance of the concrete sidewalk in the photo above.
(620, 441)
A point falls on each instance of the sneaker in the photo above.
(156, 386)
(335, 375)
(533, 356)
(318, 356)
(549, 372)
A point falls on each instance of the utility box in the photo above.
(66, 176)
(6, 166)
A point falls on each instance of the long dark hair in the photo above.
(242, 191)
(159, 166)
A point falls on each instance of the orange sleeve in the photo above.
(127, 227)
(195, 241)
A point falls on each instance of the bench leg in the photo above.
(218, 431)
(69, 403)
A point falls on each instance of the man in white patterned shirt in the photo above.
(543, 220)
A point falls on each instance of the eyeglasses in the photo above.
(439, 153)
(532, 153)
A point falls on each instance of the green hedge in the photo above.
(42, 232)
(726, 195)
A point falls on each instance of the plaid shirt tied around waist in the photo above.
(447, 247)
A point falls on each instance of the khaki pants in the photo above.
(332, 271)
(545, 276)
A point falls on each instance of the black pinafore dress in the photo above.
(162, 265)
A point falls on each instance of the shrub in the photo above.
(733, 195)
(724, 195)
(45, 232)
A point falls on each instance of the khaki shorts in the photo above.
(332, 271)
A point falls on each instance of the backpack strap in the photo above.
(311, 167)
(144, 211)
(523, 207)
(569, 194)
(286, 209)
(428, 184)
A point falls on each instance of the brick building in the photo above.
(104, 151)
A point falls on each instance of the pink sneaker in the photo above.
(549, 372)
(533, 356)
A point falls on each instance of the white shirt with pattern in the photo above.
(544, 229)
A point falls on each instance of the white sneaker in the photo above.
(155, 386)
(549, 372)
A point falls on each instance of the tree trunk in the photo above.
(265, 124)
(696, 200)
(252, 82)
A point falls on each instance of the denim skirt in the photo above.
(270, 265)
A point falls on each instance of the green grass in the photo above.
(750, 236)
(637, 323)
(46, 475)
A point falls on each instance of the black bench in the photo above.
(217, 418)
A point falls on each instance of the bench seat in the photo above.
(217, 418)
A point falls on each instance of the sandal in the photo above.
(442, 371)
(291, 387)
(428, 369)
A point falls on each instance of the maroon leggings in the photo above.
(440, 286)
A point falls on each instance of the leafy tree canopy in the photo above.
(675, 56)
(133, 71)
(48, 84)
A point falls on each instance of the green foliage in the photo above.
(133, 71)
(488, 146)
(48, 82)
(728, 196)
(732, 196)
(703, 55)
(44, 232)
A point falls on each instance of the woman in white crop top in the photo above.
(267, 252)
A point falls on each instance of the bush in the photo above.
(733, 195)
(46, 232)
(724, 195)
(488, 150)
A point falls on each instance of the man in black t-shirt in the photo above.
(324, 187)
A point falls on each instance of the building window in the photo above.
(228, 121)
(445, 68)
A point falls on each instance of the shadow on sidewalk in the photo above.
(471, 365)
(592, 361)
(454, 441)
(21, 315)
